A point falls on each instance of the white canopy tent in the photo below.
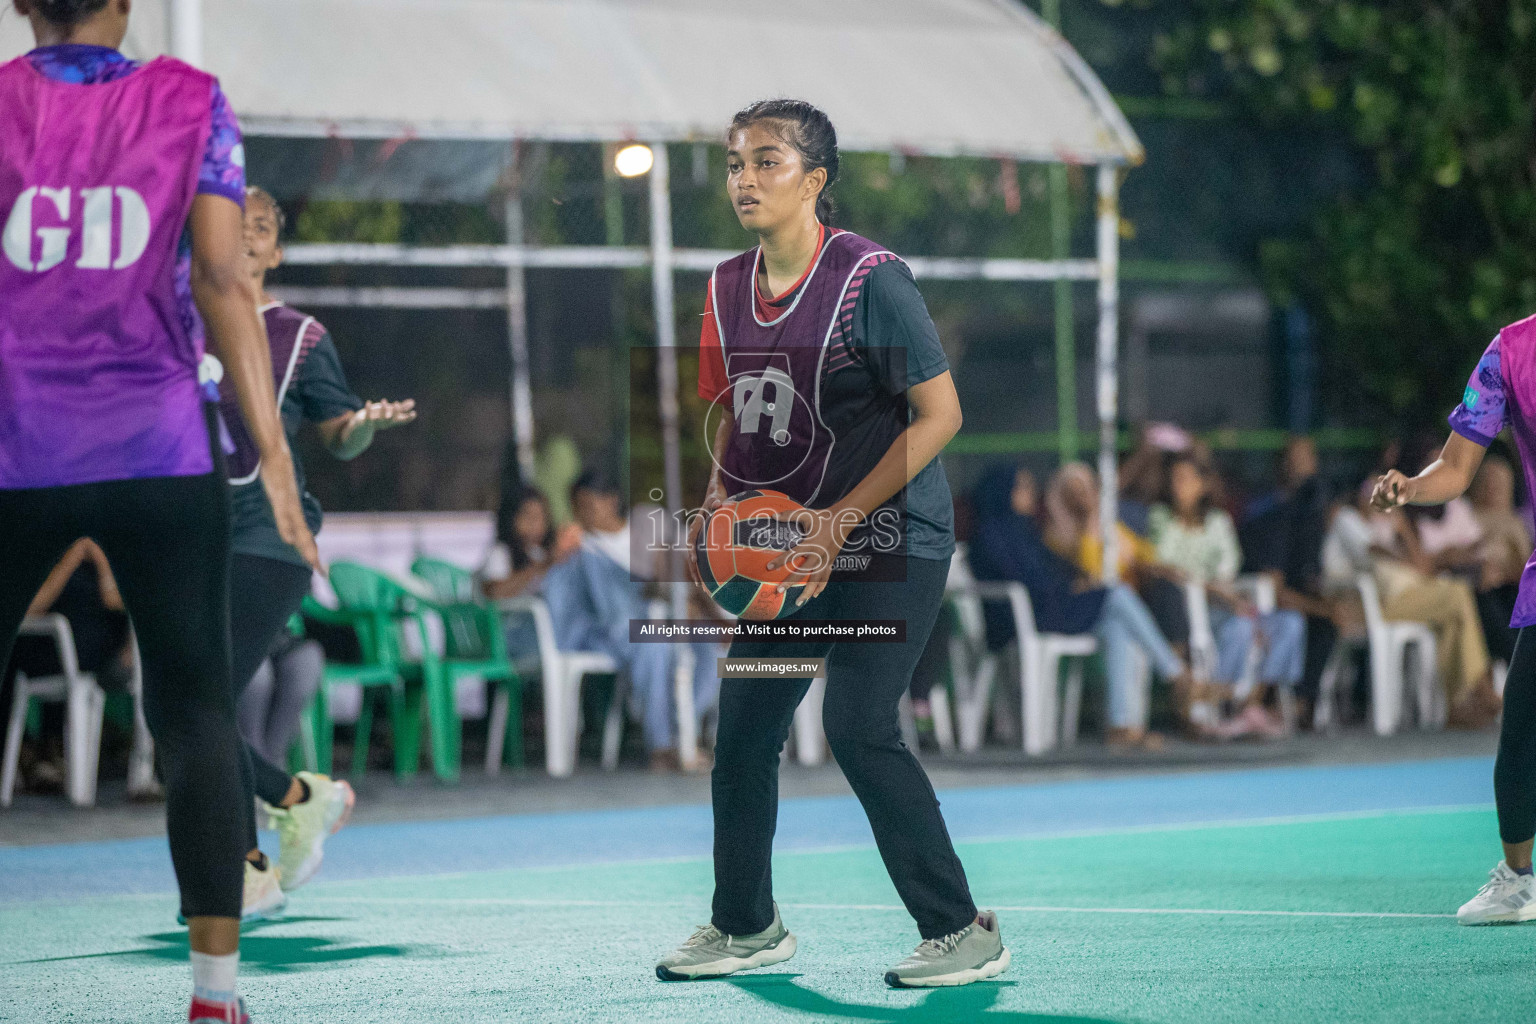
(984, 78)
(938, 77)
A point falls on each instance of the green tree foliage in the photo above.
(1411, 277)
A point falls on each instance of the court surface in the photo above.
(1292, 894)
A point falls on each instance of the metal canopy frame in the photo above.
(186, 35)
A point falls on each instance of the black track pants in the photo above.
(864, 683)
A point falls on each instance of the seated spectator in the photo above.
(1144, 475)
(1197, 538)
(83, 590)
(1282, 536)
(1072, 530)
(592, 596)
(1008, 545)
(1361, 540)
(278, 693)
(527, 544)
(1502, 553)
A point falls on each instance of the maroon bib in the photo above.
(293, 336)
(779, 438)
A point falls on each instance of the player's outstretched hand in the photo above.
(1393, 490)
(383, 415)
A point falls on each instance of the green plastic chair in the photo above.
(380, 611)
(475, 645)
(378, 670)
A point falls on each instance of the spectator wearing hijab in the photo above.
(1008, 546)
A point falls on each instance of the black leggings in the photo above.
(263, 594)
(168, 541)
(1514, 773)
(864, 683)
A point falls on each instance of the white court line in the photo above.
(473, 901)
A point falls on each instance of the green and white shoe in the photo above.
(974, 953)
(710, 953)
(264, 897)
(303, 828)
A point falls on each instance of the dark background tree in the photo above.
(1409, 276)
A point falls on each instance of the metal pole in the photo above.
(1108, 370)
(1066, 320)
(613, 229)
(666, 392)
(1061, 292)
(517, 323)
(187, 31)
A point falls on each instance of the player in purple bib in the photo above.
(832, 388)
(1500, 394)
(104, 429)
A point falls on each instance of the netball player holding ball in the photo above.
(835, 391)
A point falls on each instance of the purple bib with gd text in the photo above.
(98, 375)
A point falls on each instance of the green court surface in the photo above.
(1342, 918)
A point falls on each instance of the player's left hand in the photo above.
(383, 415)
(815, 555)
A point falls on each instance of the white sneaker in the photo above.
(303, 828)
(1507, 898)
(264, 896)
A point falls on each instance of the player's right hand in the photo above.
(1393, 490)
(277, 479)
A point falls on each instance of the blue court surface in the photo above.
(1303, 893)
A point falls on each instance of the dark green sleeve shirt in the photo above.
(894, 334)
(318, 392)
(888, 341)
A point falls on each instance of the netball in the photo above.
(735, 545)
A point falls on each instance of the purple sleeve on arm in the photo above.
(223, 170)
(1483, 409)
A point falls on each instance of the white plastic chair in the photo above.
(810, 742)
(562, 673)
(84, 703)
(141, 756)
(1050, 716)
(972, 665)
(1390, 643)
(1202, 640)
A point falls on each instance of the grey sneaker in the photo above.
(710, 953)
(974, 953)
